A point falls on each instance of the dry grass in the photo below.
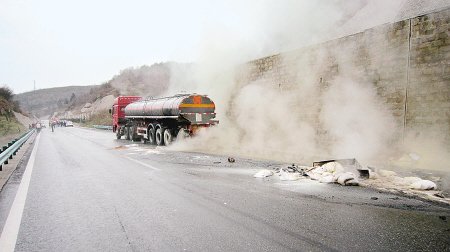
(101, 118)
(10, 129)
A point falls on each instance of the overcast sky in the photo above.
(86, 42)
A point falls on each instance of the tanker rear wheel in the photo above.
(151, 135)
(159, 137)
(130, 133)
(127, 133)
(168, 137)
(133, 135)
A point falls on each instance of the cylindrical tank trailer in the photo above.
(160, 120)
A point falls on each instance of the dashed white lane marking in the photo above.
(144, 164)
(10, 231)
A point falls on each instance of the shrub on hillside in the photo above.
(6, 93)
(5, 108)
(7, 105)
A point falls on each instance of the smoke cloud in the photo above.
(355, 119)
(307, 117)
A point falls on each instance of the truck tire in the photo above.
(151, 134)
(130, 133)
(127, 133)
(159, 137)
(168, 137)
(133, 135)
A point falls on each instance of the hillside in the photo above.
(45, 102)
(145, 80)
(10, 126)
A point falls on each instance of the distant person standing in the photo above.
(38, 127)
(53, 126)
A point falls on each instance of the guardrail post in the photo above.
(5, 155)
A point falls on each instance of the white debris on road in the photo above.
(326, 171)
(346, 178)
(390, 179)
(290, 173)
(333, 172)
(289, 176)
(326, 179)
(353, 174)
(263, 174)
(424, 185)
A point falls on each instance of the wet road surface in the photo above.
(91, 192)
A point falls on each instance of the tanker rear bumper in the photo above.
(152, 117)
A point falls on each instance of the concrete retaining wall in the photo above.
(407, 63)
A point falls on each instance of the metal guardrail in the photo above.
(8, 151)
(104, 127)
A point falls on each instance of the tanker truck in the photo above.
(161, 120)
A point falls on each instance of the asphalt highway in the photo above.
(88, 191)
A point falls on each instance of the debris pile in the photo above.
(333, 172)
(348, 172)
(390, 179)
(290, 173)
(343, 172)
(293, 169)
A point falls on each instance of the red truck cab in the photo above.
(118, 109)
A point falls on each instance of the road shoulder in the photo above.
(20, 158)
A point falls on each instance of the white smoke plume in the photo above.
(304, 122)
(358, 123)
